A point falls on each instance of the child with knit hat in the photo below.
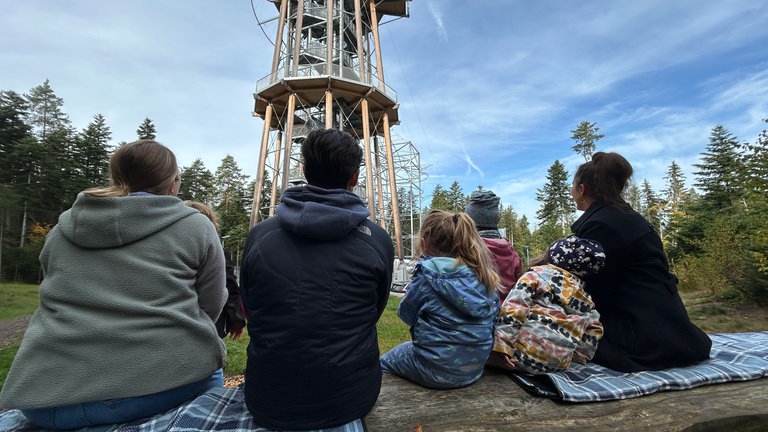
(547, 320)
(483, 208)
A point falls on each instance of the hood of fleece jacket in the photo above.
(320, 214)
(459, 286)
(107, 222)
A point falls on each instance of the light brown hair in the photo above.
(205, 210)
(140, 166)
(454, 235)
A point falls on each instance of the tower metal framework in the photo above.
(327, 72)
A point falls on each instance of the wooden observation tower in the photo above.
(327, 72)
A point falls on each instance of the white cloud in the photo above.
(438, 17)
(493, 104)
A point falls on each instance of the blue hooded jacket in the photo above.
(451, 316)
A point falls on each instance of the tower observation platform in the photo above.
(327, 72)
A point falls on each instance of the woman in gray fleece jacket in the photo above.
(133, 283)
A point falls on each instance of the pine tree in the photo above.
(16, 140)
(14, 132)
(652, 205)
(557, 206)
(52, 179)
(197, 183)
(456, 198)
(146, 130)
(265, 197)
(440, 199)
(755, 161)
(232, 202)
(92, 150)
(674, 196)
(521, 239)
(754, 235)
(632, 196)
(719, 170)
(585, 136)
(45, 114)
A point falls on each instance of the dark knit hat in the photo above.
(582, 257)
(483, 208)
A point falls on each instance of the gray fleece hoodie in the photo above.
(131, 289)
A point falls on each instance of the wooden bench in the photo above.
(496, 403)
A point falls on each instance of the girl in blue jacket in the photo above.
(450, 304)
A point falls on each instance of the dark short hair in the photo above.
(330, 158)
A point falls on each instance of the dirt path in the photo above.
(11, 330)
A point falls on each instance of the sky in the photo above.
(489, 90)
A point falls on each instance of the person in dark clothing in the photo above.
(646, 324)
(315, 279)
(483, 208)
(232, 319)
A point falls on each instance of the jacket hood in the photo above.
(107, 222)
(320, 214)
(458, 286)
(499, 246)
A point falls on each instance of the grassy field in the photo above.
(712, 315)
(18, 300)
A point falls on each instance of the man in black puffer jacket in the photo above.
(315, 280)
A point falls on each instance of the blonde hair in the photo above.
(205, 210)
(140, 166)
(454, 235)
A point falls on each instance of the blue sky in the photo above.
(489, 90)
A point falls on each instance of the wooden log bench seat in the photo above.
(496, 403)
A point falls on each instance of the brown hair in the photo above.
(454, 235)
(205, 210)
(605, 177)
(539, 259)
(140, 166)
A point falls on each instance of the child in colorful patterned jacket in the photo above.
(547, 320)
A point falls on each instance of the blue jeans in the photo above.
(122, 410)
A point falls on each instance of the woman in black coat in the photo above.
(646, 324)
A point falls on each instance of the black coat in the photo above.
(232, 318)
(646, 324)
(315, 279)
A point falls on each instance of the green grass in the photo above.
(236, 355)
(6, 358)
(17, 300)
(392, 331)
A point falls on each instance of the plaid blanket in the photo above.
(734, 357)
(221, 409)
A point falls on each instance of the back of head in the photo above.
(140, 166)
(205, 210)
(605, 177)
(582, 257)
(330, 157)
(454, 235)
(483, 208)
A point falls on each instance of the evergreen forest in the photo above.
(714, 226)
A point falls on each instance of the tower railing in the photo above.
(318, 70)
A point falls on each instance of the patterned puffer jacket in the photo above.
(546, 322)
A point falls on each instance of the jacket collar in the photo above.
(597, 205)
